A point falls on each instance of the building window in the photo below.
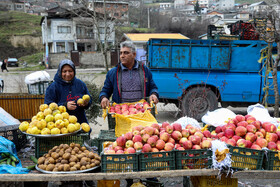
(116, 6)
(19, 6)
(102, 30)
(124, 6)
(63, 29)
(83, 32)
(116, 14)
(60, 47)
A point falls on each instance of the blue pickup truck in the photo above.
(198, 74)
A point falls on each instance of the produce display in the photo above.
(52, 119)
(66, 157)
(246, 131)
(165, 137)
(129, 109)
(7, 158)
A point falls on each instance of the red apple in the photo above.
(155, 125)
(240, 118)
(177, 127)
(236, 138)
(257, 124)
(250, 119)
(242, 123)
(152, 141)
(176, 135)
(168, 146)
(224, 139)
(240, 131)
(138, 145)
(128, 136)
(164, 124)
(251, 137)
(137, 138)
(187, 144)
(229, 133)
(207, 133)
(129, 143)
(271, 137)
(259, 134)
(272, 146)
(261, 142)
(169, 129)
(218, 129)
(160, 144)
(145, 137)
(248, 144)
(196, 147)
(241, 143)
(185, 133)
(231, 142)
(146, 148)
(270, 128)
(130, 150)
(256, 146)
(121, 141)
(206, 144)
(251, 128)
(164, 136)
(195, 140)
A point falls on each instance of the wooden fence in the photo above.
(21, 106)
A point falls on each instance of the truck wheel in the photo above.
(197, 101)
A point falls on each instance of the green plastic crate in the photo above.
(119, 163)
(43, 145)
(104, 135)
(193, 159)
(210, 127)
(245, 158)
(272, 160)
(157, 161)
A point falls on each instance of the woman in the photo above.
(67, 89)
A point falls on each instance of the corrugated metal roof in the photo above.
(137, 37)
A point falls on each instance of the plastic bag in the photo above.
(37, 76)
(218, 117)
(184, 121)
(125, 124)
(7, 146)
(261, 114)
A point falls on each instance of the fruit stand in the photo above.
(243, 146)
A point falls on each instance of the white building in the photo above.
(63, 33)
(225, 4)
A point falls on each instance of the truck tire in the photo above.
(197, 101)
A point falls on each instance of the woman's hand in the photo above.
(71, 105)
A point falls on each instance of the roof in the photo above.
(144, 37)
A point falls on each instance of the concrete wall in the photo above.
(27, 41)
(87, 59)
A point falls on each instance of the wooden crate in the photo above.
(21, 106)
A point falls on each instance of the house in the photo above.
(12, 5)
(64, 32)
(215, 13)
(258, 7)
(115, 9)
(225, 4)
(141, 39)
(179, 4)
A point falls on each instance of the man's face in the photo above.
(67, 73)
(127, 57)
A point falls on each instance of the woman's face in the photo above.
(67, 73)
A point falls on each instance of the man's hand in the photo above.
(153, 98)
(71, 105)
(104, 102)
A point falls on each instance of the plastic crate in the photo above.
(245, 158)
(272, 161)
(119, 163)
(43, 145)
(16, 136)
(112, 120)
(38, 88)
(193, 159)
(214, 181)
(157, 161)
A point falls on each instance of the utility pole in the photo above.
(148, 17)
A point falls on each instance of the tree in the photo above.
(97, 17)
(267, 26)
(197, 8)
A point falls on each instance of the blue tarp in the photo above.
(7, 146)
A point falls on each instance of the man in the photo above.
(4, 65)
(129, 81)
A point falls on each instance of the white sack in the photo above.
(218, 117)
(37, 76)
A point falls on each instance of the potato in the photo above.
(77, 145)
(80, 152)
(66, 167)
(88, 166)
(73, 169)
(65, 146)
(54, 155)
(59, 159)
(72, 145)
(61, 167)
(83, 167)
(83, 148)
(63, 161)
(50, 167)
(83, 162)
(66, 156)
(97, 162)
(54, 148)
(71, 164)
(73, 152)
(42, 166)
(51, 160)
(68, 150)
(73, 158)
(98, 157)
(92, 165)
(61, 146)
(61, 152)
(86, 152)
(77, 166)
(55, 170)
(41, 160)
(79, 156)
(91, 155)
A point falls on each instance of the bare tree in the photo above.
(267, 26)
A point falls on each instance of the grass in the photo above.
(31, 68)
(32, 59)
(19, 23)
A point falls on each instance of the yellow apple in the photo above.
(53, 106)
(62, 108)
(42, 107)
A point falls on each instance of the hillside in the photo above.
(17, 24)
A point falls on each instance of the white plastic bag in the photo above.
(37, 76)
(184, 121)
(261, 114)
(218, 117)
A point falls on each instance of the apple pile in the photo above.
(246, 131)
(129, 109)
(157, 138)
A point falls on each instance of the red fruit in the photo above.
(241, 143)
(169, 146)
(248, 144)
(121, 141)
(240, 118)
(128, 136)
(270, 128)
(176, 135)
(147, 148)
(177, 127)
(259, 134)
(137, 138)
(242, 123)
(251, 128)
(250, 119)
(155, 125)
(206, 144)
(164, 136)
(229, 133)
(138, 145)
(224, 139)
(272, 146)
(261, 142)
(271, 137)
(218, 129)
(152, 141)
(164, 124)
(187, 144)
(257, 124)
(255, 146)
(250, 136)
(185, 133)
(207, 134)
(169, 129)
(236, 138)
(240, 131)
(160, 144)
(195, 139)
(231, 142)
